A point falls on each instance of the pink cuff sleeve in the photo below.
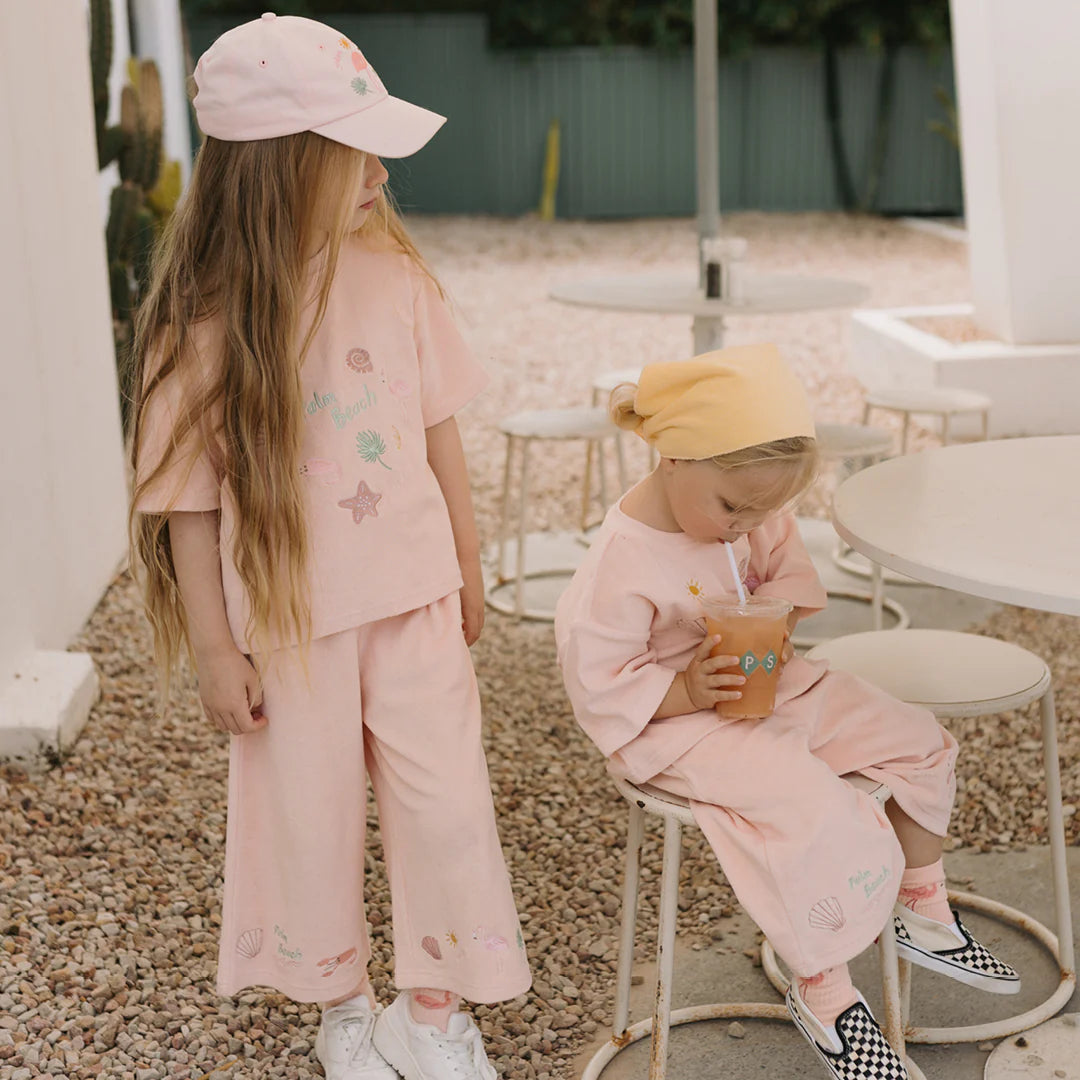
(450, 376)
(781, 561)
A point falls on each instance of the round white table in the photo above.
(680, 294)
(998, 520)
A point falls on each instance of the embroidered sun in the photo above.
(694, 589)
(451, 938)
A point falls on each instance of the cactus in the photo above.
(101, 50)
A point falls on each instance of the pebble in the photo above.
(111, 861)
(736, 1030)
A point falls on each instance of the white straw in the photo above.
(735, 572)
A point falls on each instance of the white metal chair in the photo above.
(675, 811)
(943, 401)
(521, 430)
(965, 675)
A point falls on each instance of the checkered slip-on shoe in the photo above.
(955, 953)
(855, 1049)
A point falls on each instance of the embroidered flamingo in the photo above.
(492, 942)
(400, 390)
(910, 895)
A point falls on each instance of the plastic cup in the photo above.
(754, 632)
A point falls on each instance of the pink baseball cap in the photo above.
(280, 75)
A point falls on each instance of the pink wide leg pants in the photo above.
(395, 700)
(814, 861)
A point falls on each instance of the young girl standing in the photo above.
(817, 863)
(302, 513)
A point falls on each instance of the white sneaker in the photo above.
(343, 1043)
(423, 1052)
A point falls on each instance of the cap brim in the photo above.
(392, 129)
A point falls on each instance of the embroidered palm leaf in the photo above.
(371, 448)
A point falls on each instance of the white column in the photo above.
(62, 481)
(159, 37)
(1018, 88)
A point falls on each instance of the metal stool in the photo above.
(675, 810)
(845, 444)
(602, 386)
(522, 429)
(957, 675)
(943, 401)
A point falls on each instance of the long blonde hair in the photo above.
(799, 453)
(239, 251)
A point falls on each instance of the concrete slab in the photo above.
(45, 705)
(722, 972)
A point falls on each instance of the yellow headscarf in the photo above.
(721, 401)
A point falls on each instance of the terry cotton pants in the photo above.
(395, 700)
(815, 861)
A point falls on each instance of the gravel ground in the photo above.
(110, 862)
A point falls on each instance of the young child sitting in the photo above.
(816, 862)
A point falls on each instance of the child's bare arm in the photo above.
(700, 686)
(447, 460)
(228, 684)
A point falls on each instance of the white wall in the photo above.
(62, 484)
(1018, 88)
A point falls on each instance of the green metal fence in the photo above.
(627, 123)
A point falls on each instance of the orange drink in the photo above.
(754, 632)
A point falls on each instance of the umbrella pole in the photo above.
(708, 333)
(706, 116)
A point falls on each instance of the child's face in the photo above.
(711, 503)
(371, 181)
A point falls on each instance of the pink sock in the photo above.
(427, 1006)
(828, 993)
(922, 889)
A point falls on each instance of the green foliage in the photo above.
(663, 24)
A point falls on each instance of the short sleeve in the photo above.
(782, 563)
(189, 481)
(450, 376)
(610, 669)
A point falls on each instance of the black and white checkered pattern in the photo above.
(866, 1054)
(971, 958)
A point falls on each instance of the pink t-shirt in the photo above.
(632, 618)
(387, 362)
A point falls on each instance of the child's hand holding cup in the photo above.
(752, 632)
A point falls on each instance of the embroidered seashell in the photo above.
(399, 388)
(359, 360)
(431, 947)
(249, 943)
(358, 60)
(827, 914)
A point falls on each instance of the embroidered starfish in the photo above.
(362, 503)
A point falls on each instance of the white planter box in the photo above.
(1035, 388)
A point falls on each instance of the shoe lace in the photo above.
(356, 1036)
(465, 1054)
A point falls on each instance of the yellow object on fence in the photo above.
(551, 173)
